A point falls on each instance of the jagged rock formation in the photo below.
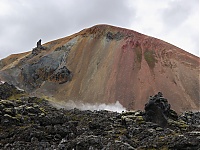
(105, 64)
(39, 48)
(39, 44)
(33, 123)
(158, 110)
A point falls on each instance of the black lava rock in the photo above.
(33, 123)
(157, 110)
(7, 90)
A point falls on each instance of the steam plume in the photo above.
(117, 107)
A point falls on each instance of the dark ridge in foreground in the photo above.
(33, 123)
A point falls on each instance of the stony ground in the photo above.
(29, 123)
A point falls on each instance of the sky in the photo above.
(24, 22)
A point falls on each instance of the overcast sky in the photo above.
(24, 22)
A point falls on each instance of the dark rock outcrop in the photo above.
(39, 44)
(39, 48)
(7, 90)
(61, 75)
(157, 110)
(46, 69)
(114, 36)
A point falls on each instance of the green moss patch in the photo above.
(138, 52)
(150, 58)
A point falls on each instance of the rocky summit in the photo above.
(106, 64)
(31, 123)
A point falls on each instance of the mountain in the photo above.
(105, 64)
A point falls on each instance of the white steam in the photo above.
(2, 82)
(116, 107)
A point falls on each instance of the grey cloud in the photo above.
(31, 20)
(177, 12)
(115, 11)
(196, 44)
(175, 17)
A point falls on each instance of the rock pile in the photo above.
(33, 123)
(158, 110)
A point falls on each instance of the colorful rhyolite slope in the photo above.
(108, 64)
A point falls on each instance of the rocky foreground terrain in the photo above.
(33, 123)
